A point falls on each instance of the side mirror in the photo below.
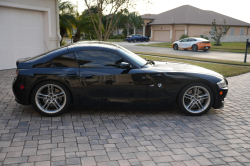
(124, 65)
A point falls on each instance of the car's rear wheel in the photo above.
(195, 99)
(205, 50)
(175, 47)
(129, 41)
(134, 40)
(147, 40)
(194, 48)
(50, 98)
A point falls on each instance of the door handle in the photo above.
(71, 74)
(87, 75)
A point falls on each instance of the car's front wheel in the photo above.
(50, 98)
(175, 47)
(147, 40)
(195, 99)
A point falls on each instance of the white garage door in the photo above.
(161, 36)
(21, 35)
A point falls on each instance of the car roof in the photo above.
(198, 38)
(92, 45)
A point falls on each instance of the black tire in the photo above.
(194, 48)
(205, 50)
(195, 108)
(66, 100)
(175, 47)
(134, 40)
(147, 40)
(129, 41)
(185, 49)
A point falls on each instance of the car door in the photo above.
(103, 80)
(183, 43)
(140, 38)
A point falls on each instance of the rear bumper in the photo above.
(21, 95)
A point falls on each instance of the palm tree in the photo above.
(82, 23)
(66, 14)
(129, 20)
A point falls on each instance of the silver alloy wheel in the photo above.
(175, 47)
(194, 48)
(196, 99)
(50, 98)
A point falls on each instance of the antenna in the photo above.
(46, 45)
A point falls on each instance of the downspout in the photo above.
(57, 24)
(187, 30)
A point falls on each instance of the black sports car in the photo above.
(86, 73)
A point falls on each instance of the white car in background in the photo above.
(192, 43)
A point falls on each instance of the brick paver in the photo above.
(119, 136)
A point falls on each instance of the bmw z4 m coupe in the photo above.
(86, 73)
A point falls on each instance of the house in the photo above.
(27, 28)
(170, 25)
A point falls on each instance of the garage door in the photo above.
(21, 35)
(161, 36)
(178, 34)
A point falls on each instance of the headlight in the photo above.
(222, 84)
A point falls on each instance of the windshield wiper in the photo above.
(148, 62)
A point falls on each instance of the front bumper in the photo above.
(219, 99)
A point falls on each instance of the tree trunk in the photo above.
(127, 31)
(62, 33)
(77, 37)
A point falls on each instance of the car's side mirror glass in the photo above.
(124, 65)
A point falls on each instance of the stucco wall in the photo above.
(50, 18)
(197, 30)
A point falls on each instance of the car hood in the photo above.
(182, 68)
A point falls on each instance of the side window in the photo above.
(98, 59)
(232, 32)
(242, 31)
(66, 60)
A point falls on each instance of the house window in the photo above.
(242, 31)
(212, 31)
(232, 32)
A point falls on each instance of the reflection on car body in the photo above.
(86, 73)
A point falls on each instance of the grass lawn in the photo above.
(223, 69)
(239, 47)
(196, 59)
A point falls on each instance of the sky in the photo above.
(239, 9)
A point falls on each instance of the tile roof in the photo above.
(191, 15)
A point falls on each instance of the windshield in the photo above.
(137, 59)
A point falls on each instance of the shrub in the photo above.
(204, 37)
(183, 36)
(117, 37)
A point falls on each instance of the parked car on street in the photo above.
(137, 37)
(192, 43)
(86, 73)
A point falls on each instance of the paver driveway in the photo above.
(125, 136)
